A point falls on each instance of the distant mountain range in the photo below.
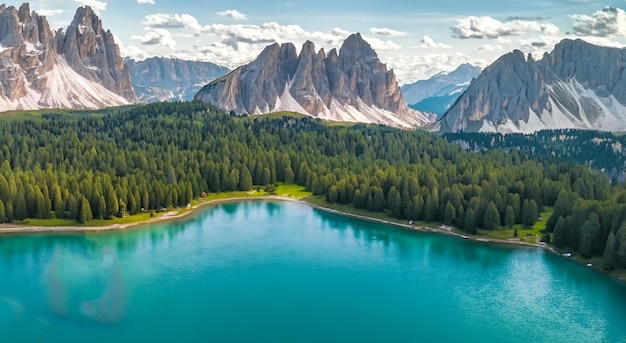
(578, 85)
(167, 79)
(80, 67)
(349, 85)
(439, 92)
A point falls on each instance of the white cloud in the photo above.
(156, 36)
(487, 27)
(233, 14)
(387, 32)
(151, 2)
(429, 43)
(49, 13)
(97, 6)
(491, 47)
(607, 22)
(169, 21)
(382, 45)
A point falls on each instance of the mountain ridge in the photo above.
(578, 85)
(346, 85)
(79, 67)
(162, 78)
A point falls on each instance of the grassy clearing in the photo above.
(291, 190)
(524, 234)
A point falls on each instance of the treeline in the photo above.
(599, 150)
(163, 155)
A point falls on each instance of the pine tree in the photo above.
(430, 209)
(621, 246)
(394, 202)
(591, 235)
(245, 179)
(529, 212)
(449, 216)
(609, 257)
(492, 217)
(470, 222)
(562, 208)
(123, 209)
(509, 217)
(289, 177)
(85, 211)
(379, 199)
(20, 212)
(102, 207)
(332, 195)
(3, 213)
(560, 238)
(112, 203)
(145, 203)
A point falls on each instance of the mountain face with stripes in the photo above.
(347, 85)
(79, 67)
(578, 85)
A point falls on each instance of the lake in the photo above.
(272, 271)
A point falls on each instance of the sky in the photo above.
(414, 37)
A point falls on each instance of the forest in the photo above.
(599, 150)
(150, 157)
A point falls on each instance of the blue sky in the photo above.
(416, 38)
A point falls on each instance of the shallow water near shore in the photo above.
(273, 271)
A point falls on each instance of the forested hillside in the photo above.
(163, 155)
(603, 151)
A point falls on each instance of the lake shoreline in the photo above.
(169, 216)
(172, 216)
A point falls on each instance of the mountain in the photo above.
(439, 92)
(578, 85)
(349, 85)
(162, 79)
(80, 67)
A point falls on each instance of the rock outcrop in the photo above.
(349, 85)
(169, 79)
(78, 68)
(577, 85)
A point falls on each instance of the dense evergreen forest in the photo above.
(163, 155)
(600, 150)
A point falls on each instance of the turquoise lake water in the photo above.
(267, 271)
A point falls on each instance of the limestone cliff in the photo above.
(349, 85)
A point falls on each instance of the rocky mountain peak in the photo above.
(24, 12)
(86, 18)
(577, 85)
(321, 54)
(356, 47)
(79, 67)
(308, 49)
(10, 28)
(352, 85)
(93, 53)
